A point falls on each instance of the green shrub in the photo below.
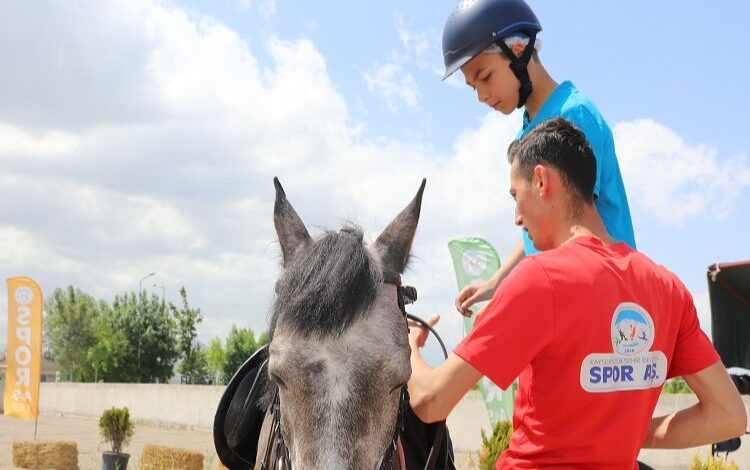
(677, 385)
(116, 427)
(711, 463)
(495, 445)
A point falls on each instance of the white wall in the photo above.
(195, 405)
(189, 405)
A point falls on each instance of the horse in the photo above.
(333, 377)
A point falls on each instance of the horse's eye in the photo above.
(278, 380)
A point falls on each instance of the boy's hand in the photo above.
(418, 334)
(475, 292)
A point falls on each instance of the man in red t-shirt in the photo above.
(591, 327)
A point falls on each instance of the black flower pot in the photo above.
(114, 461)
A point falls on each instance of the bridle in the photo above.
(404, 295)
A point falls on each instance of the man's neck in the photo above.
(584, 222)
(543, 86)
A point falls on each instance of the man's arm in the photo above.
(718, 415)
(483, 290)
(434, 392)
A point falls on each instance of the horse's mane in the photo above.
(328, 286)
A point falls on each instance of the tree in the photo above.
(193, 364)
(240, 345)
(70, 328)
(110, 351)
(150, 333)
(215, 357)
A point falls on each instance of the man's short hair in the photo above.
(558, 143)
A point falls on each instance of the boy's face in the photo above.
(496, 85)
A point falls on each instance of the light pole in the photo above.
(139, 310)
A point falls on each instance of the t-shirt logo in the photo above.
(631, 365)
(632, 329)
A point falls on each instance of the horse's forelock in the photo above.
(328, 287)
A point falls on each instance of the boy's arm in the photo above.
(718, 415)
(484, 290)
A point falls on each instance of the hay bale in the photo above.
(58, 455)
(170, 458)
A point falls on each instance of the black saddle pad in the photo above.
(419, 439)
(239, 418)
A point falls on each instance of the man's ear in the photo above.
(541, 179)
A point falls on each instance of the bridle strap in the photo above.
(434, 450)
(279, 457)
(401, 459)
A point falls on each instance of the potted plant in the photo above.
(117, 429)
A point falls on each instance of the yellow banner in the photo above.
(24, 365)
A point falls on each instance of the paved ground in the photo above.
(85, 432)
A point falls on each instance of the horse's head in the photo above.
(339, 352)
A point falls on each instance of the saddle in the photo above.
(239, 419)
(239, 416)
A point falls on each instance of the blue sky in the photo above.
(679, 63)
(142, 136)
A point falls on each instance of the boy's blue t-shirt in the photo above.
(567, 101)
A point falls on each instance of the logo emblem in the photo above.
(632, 329)
(24, 295)
(632, 364)
(474, 262)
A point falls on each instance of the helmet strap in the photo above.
(519, 66)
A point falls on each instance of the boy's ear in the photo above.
(518, 49)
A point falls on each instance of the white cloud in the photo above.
(393, 80)
(170, 170)
(266, 8)
(16, 141)
(672, 180)
(394, 84)
(185, 188)
(23, 248)
(421, 47)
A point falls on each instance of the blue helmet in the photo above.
(476, 24)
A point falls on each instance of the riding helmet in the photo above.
(476, 24)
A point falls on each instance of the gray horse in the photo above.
(338, 346)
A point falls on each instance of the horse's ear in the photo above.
(394, 244)
(290, 229)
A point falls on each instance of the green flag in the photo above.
(474, 259)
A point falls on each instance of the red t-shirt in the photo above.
(591, 331)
